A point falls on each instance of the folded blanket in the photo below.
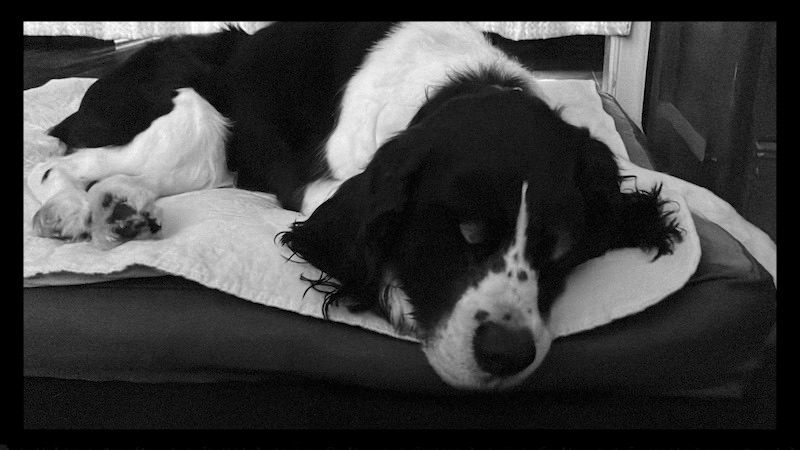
(225, 238)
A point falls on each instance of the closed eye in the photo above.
(46, 173)
(473, 231)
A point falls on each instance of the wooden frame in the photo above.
(625, 69)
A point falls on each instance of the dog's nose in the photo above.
(503, 350)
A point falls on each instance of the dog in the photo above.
(441, 188)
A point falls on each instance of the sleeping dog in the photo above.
(441, 188)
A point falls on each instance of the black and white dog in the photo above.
(441, 188)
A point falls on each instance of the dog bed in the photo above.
(245, 313)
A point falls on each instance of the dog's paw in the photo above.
(65, 216)
(123, 215)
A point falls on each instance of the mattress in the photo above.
(705, 337)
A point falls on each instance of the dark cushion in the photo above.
(707, 335)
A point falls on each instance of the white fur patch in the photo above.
(391, 85)
(317, 192)
(510, 297)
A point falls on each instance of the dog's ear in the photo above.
(618, 219)
(346, 236)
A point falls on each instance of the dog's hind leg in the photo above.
(66, 216)
(60, 184)
(123, 209)
(180, 152)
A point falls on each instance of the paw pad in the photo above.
(127, 223)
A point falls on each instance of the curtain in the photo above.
(130, 30)
(139, 30)
(543, 30)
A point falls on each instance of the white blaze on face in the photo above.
(510, 298)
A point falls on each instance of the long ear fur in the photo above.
(347, 235)
(621, 219)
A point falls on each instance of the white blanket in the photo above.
(225, 238)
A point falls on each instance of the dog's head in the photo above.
(464, 226)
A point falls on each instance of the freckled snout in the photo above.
(503, 350)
